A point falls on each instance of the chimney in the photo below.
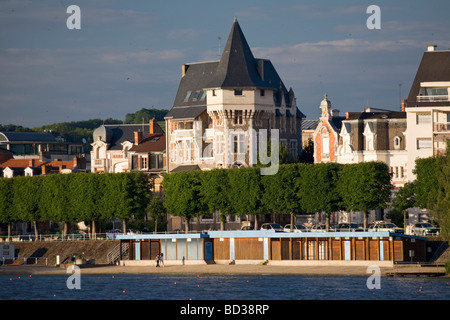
(403, 105)
(137, 137)
(152, 127)
(431, 47)
(45, 169)
(184, 68)
(346, 115)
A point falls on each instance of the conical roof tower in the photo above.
(237, 67)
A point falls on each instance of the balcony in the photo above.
(432, 98)
(441, 127)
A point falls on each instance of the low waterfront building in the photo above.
(268, 246)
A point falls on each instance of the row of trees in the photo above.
(70, 198)
(430, 190)
(296, 188)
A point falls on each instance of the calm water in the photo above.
(220, 287)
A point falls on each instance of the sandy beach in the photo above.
(200, 269)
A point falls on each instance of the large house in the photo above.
(428, 107)
(125, 147)
(223, 108)
(375, 135)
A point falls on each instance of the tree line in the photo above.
(295, 188)
(75, 197)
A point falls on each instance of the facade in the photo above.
(326, 133)
(223, 108)
(375, 135)
(125, 147)
(268, 246)
(428, 108)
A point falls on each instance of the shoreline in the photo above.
(203, 269)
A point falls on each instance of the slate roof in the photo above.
(151, 143)
(376, 115)
(236, 69)
(309, 124)
(13, 136)
(434, 66)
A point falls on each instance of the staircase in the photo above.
(117, 252)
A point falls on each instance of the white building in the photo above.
(428, 107)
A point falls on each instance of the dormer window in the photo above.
(188, 94)
(434, 91)
(238, 92)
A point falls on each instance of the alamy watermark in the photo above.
(374, 280)
(242, 147)
(374, 21)
(74, 281)
(74, 20)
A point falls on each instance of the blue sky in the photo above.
(128, 54)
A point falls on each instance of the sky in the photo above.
(127, 55)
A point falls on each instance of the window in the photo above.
(238, 92)
(239, 143)
(185, 125)
(144, 161)
(326, 146)
(424, 143)
(238, 117)
(196, 95)
(156, 161)
(262, 92)
(397, 141)
(424, 118)
(402, 172)
(203, 96)
(218, 143)
(293, 147)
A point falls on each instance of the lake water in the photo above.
(220, 287)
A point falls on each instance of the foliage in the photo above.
(364, 186)
(441, 210)
(405, 197)
(426, 184)
(145, 115)
(74, 197)
(182, 194)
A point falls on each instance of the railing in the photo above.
(57, 237)
(435, 98)
(117, 252)
(441, 126)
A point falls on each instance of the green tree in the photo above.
(6, 196)
(26, 196)
(318, 188)
(364, 186)
(245, 192)
(441, 212)
(156, 210)
(426, 183)
(214, 193)
(182, 195)
(281, 191)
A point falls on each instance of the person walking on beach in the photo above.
(161, 259)
(158, 257)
